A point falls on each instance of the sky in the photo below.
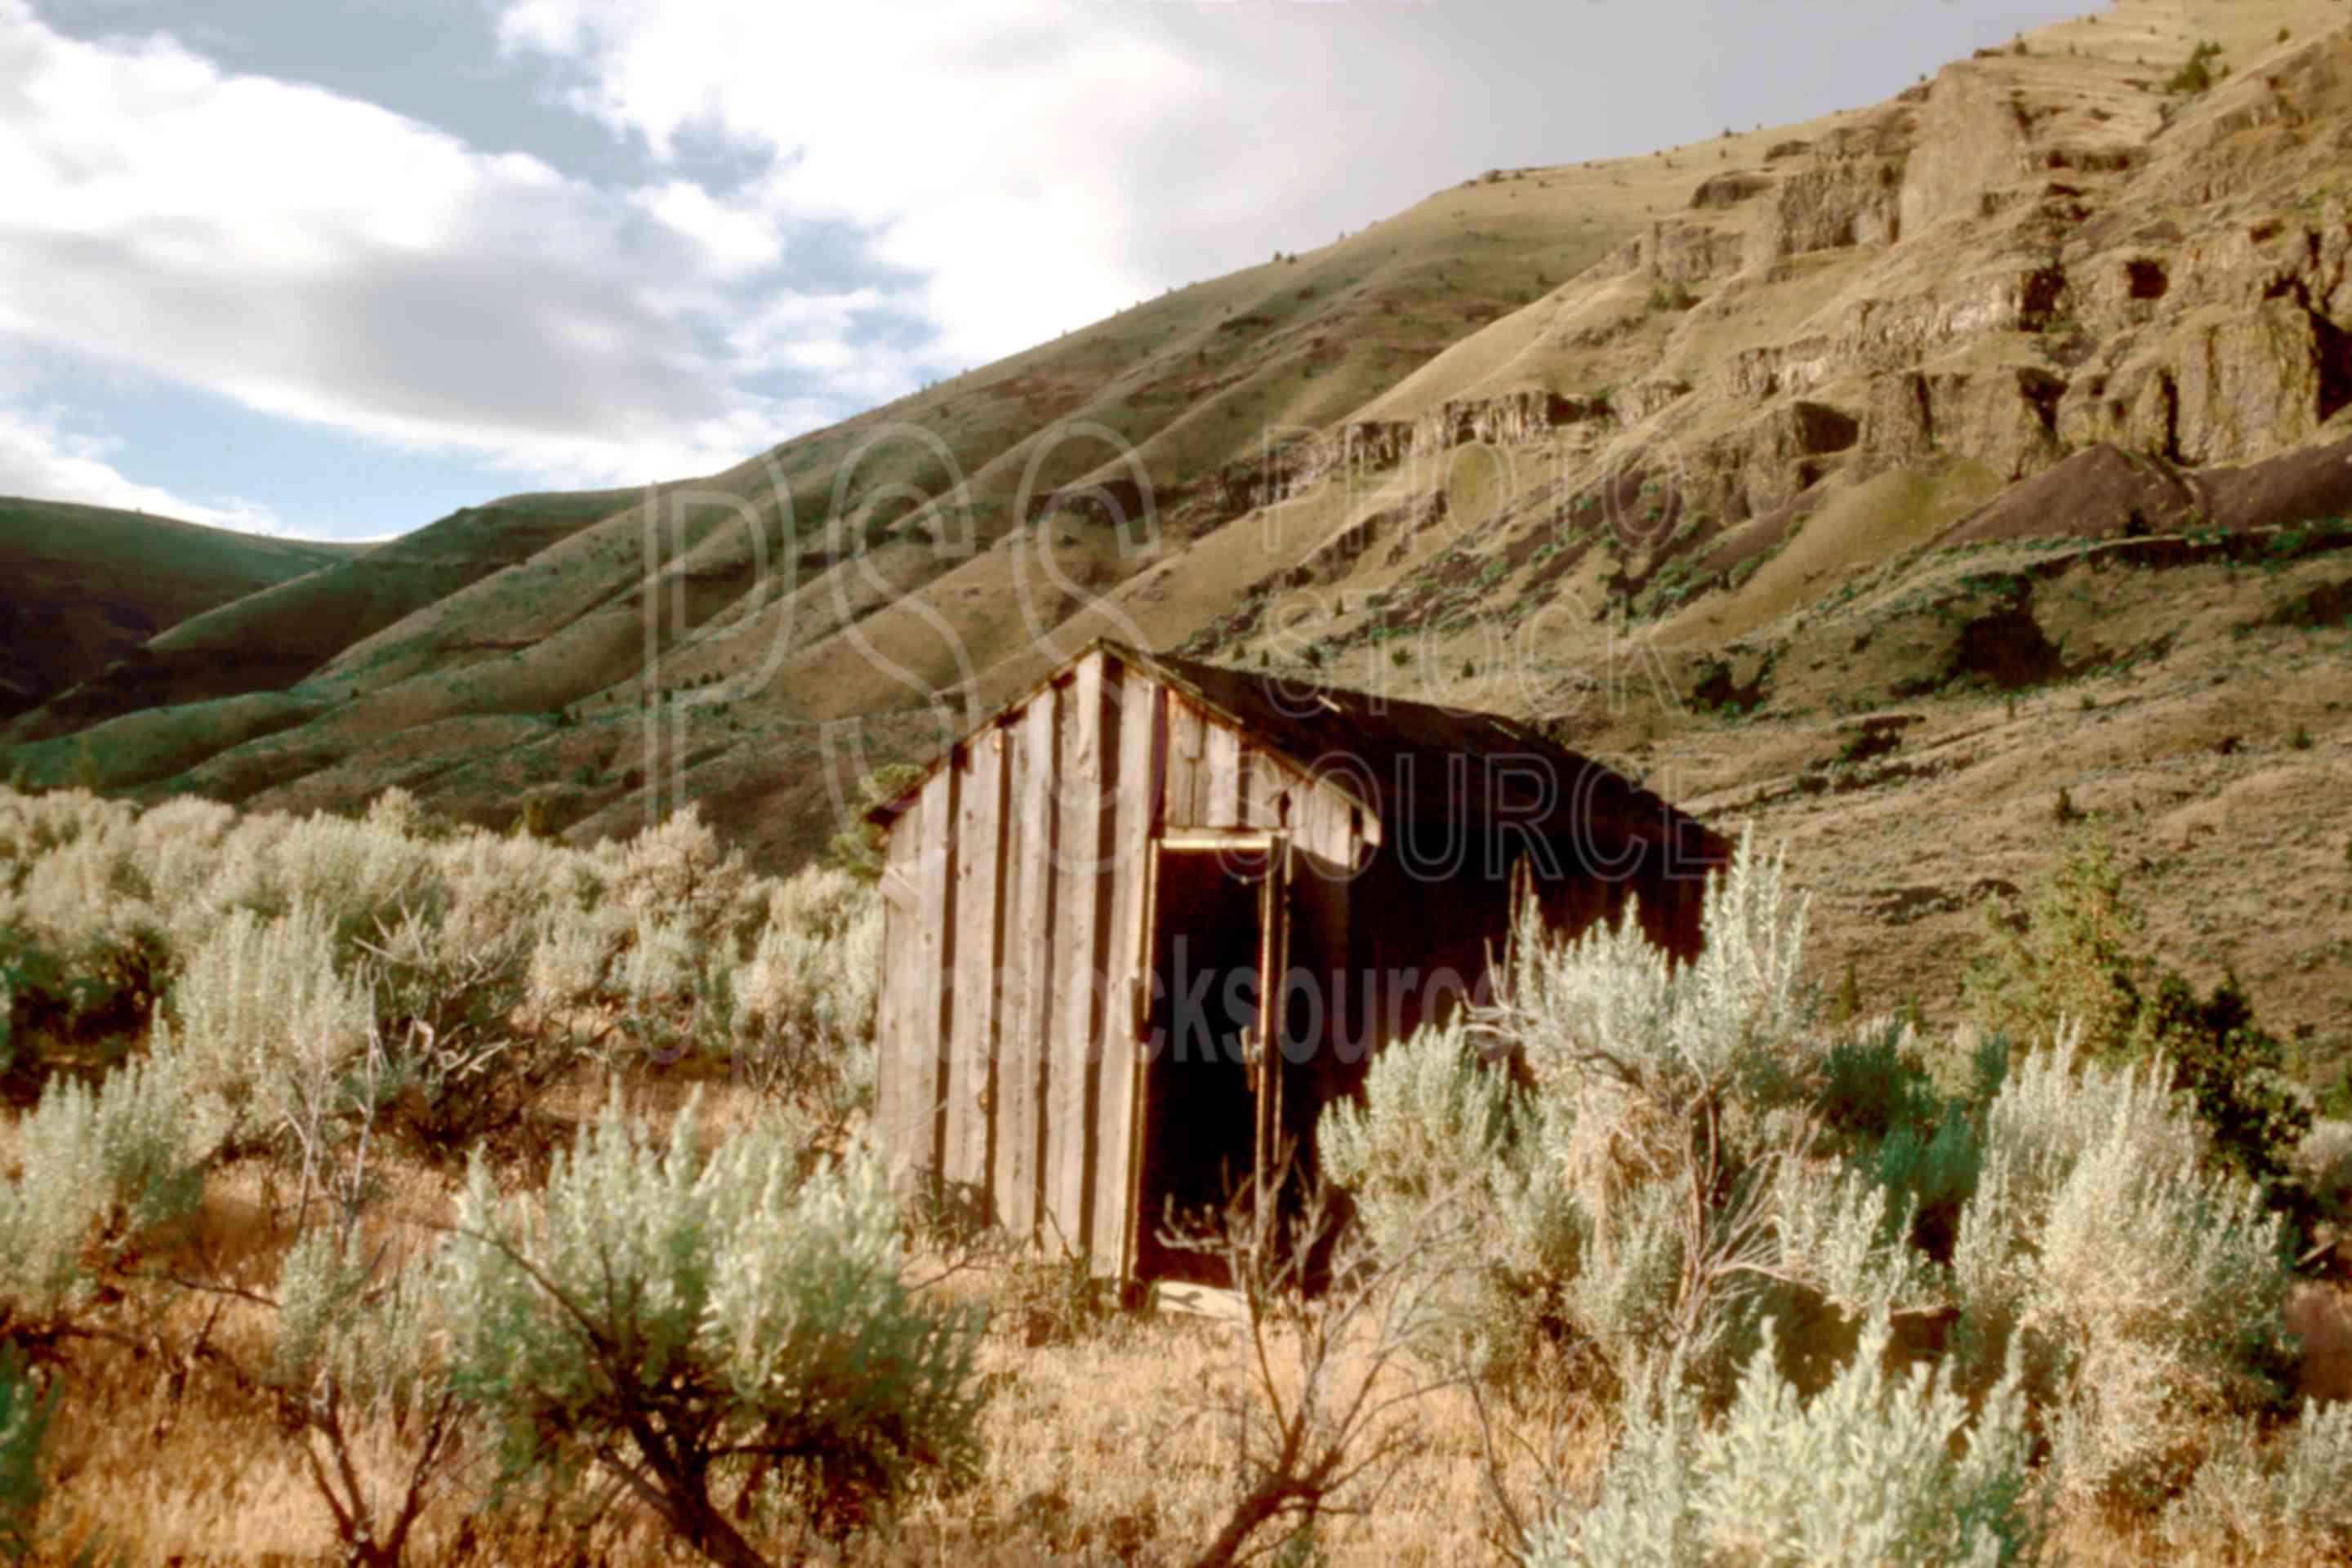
(332, 269)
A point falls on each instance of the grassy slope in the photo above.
(267, 639)
(86, 585)
(868, 621)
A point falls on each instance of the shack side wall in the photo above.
(1014, 885)
(1426, 946)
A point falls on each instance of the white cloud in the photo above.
(998, 149)
(42, 459)
(818, 333)
(734, 240)
(324, 259)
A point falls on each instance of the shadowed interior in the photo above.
(1200, 1117)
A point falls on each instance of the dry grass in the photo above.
(1107, 1450)
(1114, 1446)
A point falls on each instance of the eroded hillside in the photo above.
(84, 587)
(1870, 480)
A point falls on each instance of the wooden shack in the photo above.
(1082, 898)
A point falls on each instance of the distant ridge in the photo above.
(1908, 464)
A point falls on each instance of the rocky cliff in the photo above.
(2029, 380)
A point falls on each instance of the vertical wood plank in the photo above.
(1100, 1009)
(1221, 783)
(1078, 879)
(1028, 1054)
(1000, 949)
(968, 1088)
(1011, 731)
(1248, 768)
(1206, 729)
(1178, 785)
(1136, 767)
(1328, 826)
(924, 1117)
(901, 931)
(1267, 782)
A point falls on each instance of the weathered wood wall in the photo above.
(1012, 939)
(1216, 778)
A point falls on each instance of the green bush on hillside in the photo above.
(2074, 959)
(2196, 74)
(857, 847)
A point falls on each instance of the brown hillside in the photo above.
(81, 586)
(1996, 416)
(268, 639)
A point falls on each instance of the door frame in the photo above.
(1273, 952)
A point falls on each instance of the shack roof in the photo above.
(1398, 760)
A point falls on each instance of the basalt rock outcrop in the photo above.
(1647, 397)
(2003, 418)
(1763, 463)
(1510, 419)
(1677, 251)
(2025, 274)
(1728, 190)
(1526, 416)
(1835, 203)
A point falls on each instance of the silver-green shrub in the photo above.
(74, 896)
(575, 958)
(2323, 1164)
(677, 873)
(1879, 1470)
(339, 1318)
(1434, 1128)
(804, 999)
(1701, 1154)
(664, 941)
(264, 1019)
(2288, 1499)
(2148, 1288)
(1434, 1120)
(1676, 1171)
(1681, 1108)
(692, 1319)
(357, 1353)
(33, 826)
(96, 1169)
(349, 874)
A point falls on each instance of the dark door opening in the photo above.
(1208, 1104)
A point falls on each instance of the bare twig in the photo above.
(1329, 1410)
